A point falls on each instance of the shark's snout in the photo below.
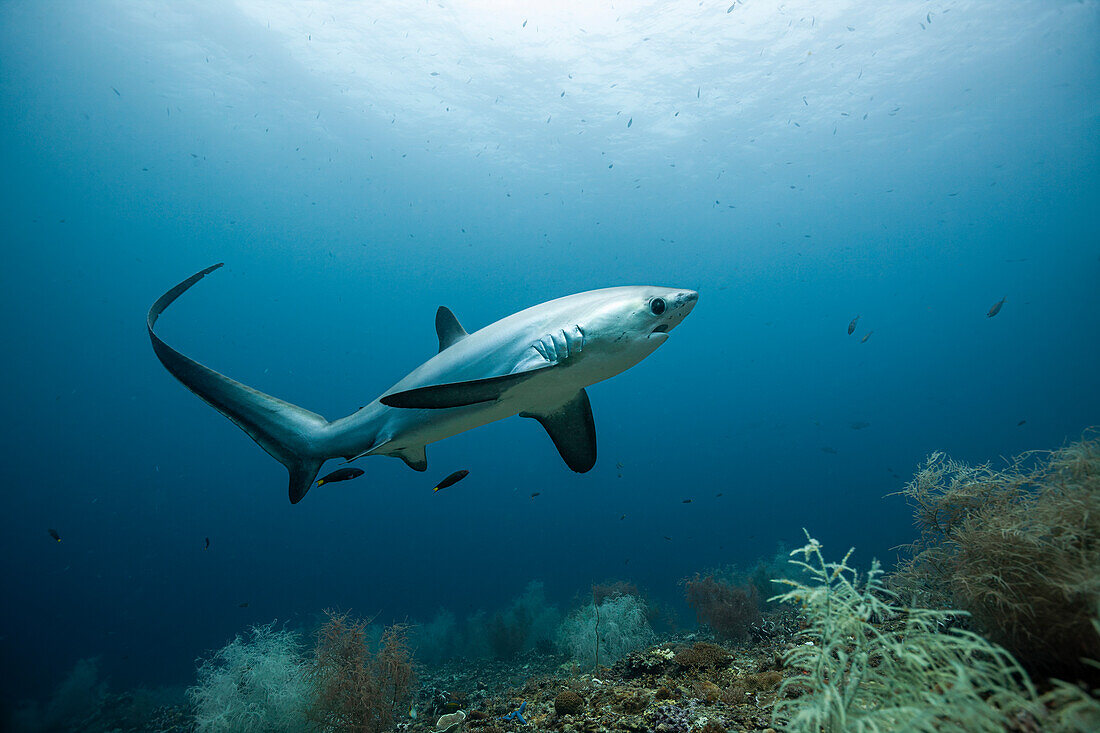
(678, 305)
(687, 300)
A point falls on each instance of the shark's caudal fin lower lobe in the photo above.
(287, 432)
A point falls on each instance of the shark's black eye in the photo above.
(657, 306)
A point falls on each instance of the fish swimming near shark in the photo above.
(535, 363)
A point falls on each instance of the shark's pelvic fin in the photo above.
(287, 432)
(571, 427)
(447, 327)
(458, 394)
(415, 458)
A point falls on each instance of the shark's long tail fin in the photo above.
(289, 433)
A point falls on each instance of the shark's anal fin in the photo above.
(458, 394)
(573, 431)
(447, 328)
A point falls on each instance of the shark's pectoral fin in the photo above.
(415, 457)
(447, 328)
(458, 394)
(573, 431)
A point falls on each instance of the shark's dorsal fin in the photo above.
(571, 427)
(447, 327)
(459, 394)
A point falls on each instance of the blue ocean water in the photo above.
(357, 165)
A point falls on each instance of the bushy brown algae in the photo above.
(1016, 547)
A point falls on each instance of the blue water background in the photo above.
(357, 168)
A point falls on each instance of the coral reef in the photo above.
(1017, 548)
(702, 654)
(568, 703)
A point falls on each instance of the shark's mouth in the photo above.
(663, 328)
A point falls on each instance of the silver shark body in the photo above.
(535, 363)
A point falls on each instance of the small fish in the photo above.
(451, 480)
(718, 494)
(243, 605)
(537, 493)
(1021, 423)
(668, 538)
(865, 337)
(524, 24)
(117, 92)
(827, 449)
(55, 535)
(730, 8)
(852, 325)
(996, 308)
(859, 425)
(341, 474)
(207, 545)
(630, 122)
(686, 501)
(622, 517)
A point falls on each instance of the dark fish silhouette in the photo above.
(852, 325)
(243, 605)
(55, 535)
(865, 337)
(207, 545)
(340, 474)
(535, 494)
(1021, 423)
(686, 501)
(996, 308)
(451, 480)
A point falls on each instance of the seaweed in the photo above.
(355, 689)
(849, 673)
(729, 610)
(254, 683)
